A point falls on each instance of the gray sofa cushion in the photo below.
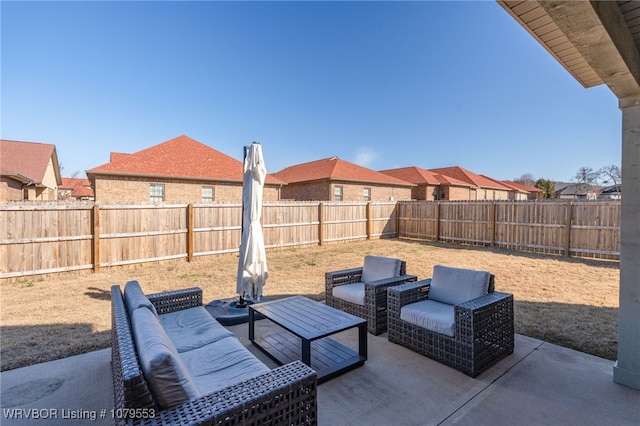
(435, 316)
(455, 285)
(134, 298)
(167, 376)
(353, 293)
(379, 268)
(192, 328)
(221, 363)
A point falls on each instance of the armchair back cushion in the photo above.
(165, 372)
(454, 285)
(379, 268)
(134, 298)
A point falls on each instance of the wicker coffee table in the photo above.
(302, 334)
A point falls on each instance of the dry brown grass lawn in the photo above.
(570, 302)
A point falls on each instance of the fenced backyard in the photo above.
(44, 239)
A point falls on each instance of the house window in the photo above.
(337, 193)
(208, 194)
(367, 194)
(156, 192)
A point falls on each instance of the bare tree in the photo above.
(526, 179)
(586, 179)
(611, 175)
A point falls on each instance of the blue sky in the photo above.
(381, 84)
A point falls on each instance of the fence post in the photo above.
(397, 210)
(190, 218)
(320, 223)
(437, 221)
(368, 220)
(567, 229)
(95, 218)
(493, 224)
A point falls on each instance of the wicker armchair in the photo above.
(372, 304)
(483, 329)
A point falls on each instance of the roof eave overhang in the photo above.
(56, 166)
(153, 176)
(590, 39)
(369, 182)
(92, 174)
(498, 188)
(461, 184)
(350, 180)
(18, 177)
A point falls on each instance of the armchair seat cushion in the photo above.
(192, 328)
(435, 316)
(454, 285)
(379, 268)
(353, 293)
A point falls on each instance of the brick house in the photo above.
(180, 170)
(429, 185)
(451, 183)
(524, 192)
(28, 171)
(480, 188)
(613, 192)
(575, 191)
(333, 179)
(75, 189)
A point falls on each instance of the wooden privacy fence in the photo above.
(47, 239)
(569, 228)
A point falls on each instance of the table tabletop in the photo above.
(305, 317)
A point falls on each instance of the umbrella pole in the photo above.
(242, 303)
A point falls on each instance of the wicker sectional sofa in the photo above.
(174, 364)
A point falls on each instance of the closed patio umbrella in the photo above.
(252, 264)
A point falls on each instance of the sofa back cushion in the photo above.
(455, 285)
(134, 298)
(379, 268)
(168, 378)
(192, 328)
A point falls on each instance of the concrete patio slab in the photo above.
(539, 384)
(554, 385)
(72, 391)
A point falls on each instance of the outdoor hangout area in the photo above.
(537, 379)
(231, 340)
(377, 313)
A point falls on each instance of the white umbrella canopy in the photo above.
(252, 264)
